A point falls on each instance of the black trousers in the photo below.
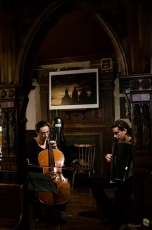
(98, 182)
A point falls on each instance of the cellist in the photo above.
(34, 146)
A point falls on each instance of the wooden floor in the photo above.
(81, 214)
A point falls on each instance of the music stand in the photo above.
(39, 182)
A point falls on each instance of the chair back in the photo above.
(12, 205)
(86, 156)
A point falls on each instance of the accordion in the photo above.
(120, 161)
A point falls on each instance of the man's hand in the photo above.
(108, 157)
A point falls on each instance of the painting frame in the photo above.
(81, 86)
(106, 64)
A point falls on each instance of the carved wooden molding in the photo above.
(8, 131)
(7, 93)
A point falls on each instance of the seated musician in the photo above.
(114, 213)
(33, 147)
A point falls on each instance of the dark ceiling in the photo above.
(75, 35)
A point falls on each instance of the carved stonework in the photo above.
(4, 129)
(8, 130)
(141, 125)
(137, 125)
(11, 128)
(7, 93)
(145, 123)
(138, 92)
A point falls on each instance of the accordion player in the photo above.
(120, 161)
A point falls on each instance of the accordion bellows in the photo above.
(121, 160)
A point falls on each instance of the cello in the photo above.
(52, 161)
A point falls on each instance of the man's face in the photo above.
(118, 134)
(43, 133)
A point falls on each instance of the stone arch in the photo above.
(42, 25)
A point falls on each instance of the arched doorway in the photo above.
(45, 22)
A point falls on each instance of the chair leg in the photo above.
(37, 227)
(37, 213)
(73, 179)
(89, 174)
(57, 226)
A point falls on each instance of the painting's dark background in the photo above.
(63, 82)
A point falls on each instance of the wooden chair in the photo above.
(12, 206)
(85, 162)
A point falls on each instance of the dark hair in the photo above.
(40, 124)
(121, 124)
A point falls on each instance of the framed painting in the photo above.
(73, 89)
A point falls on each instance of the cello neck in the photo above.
(50, 154)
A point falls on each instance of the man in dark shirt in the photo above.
(115, 214)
